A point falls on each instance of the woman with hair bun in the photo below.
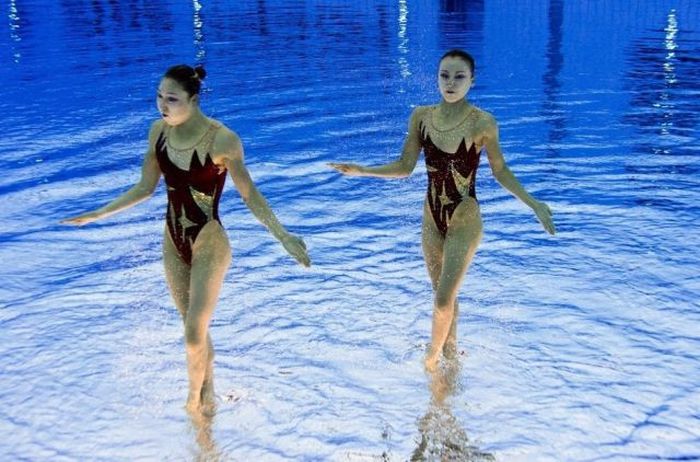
(194, 152)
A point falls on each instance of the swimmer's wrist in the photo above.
(284, 236)
(361, 170)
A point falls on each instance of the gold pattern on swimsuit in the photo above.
(185, 222)
(204, 202)
(444, 198)
(461, 182)
(173, 220)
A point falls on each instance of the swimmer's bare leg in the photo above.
(449, 350)
(208, 397)
(432, 242)
(178, 276)
(460, 245)
(211, 258)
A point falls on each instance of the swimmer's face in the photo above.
(454, 79)
(174, 103)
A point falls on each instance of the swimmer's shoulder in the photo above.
(226, 141)
(485, 126)
(154, 132)
(483, 116)
(419, 114)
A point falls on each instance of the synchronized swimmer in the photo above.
(452, 134)
(194, 152)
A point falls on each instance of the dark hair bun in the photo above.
(201, 73)
(189, 78)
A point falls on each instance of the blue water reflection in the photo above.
(579, 347)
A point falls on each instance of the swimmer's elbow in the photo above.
(247, 193)
(500, 173)
(405, 169)
(145, 190)
(246, 200)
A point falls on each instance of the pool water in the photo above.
(579, 347)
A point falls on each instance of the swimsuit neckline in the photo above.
(470, 111)
(196, 143)
(193, 148)
(459, 146)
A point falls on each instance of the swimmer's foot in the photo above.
(208, 409)
(207, 392)
(450, 350)
(431, 362)
(452, 353)
(199, 408)
(193, 405)
(208, 398)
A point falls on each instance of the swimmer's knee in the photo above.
(444, 301)
(195, 336)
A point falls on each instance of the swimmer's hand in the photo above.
(296, 247)
(347, 169)
(83, 219)
(544, 214)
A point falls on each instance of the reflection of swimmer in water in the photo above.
(193, 153)
(452, 135)
(441, 435)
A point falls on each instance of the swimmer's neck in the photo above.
(192, 127)
(449, 110)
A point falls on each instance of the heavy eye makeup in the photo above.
(169, 99)
(460, 76)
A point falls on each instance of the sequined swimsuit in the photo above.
(450, 175)
(193, 195)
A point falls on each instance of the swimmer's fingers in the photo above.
(304, 259)
(549, 222)
(296, 247)
(544, 214)
(342, 168)
(549, 226)
(346, 169)
(80, 219)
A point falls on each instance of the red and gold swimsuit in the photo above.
(450, 175)
(193, 194)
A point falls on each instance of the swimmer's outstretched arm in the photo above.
(400, 168)
(150, 175)
(230, 145)
(506, 178)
